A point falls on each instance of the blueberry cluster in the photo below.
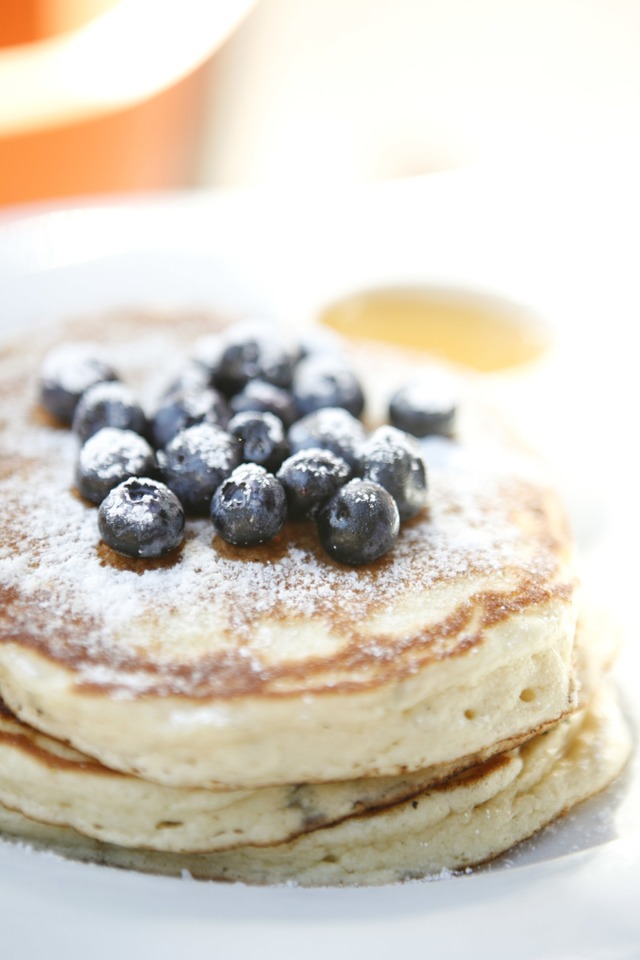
(252, 432)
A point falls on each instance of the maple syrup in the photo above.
(475, 330)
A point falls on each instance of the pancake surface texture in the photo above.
(236, 668)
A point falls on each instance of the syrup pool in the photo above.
(480, 332)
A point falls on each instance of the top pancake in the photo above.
(243, 667)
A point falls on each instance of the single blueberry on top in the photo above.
(196, 462)
(425, 407)
(359, 523)
(331, 428)
(109, 403)
(192, 376)
(249, 507)
(261, 438)
(394, 459)
(326, 380)
(207, 355)
(185, 408)
(141, 517)
(67, 371)
(110, 456)
(253, 350)
(309, 478)
(266, 398)
(320, 339)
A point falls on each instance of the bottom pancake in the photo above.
(458, 823)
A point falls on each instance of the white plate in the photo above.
(570, 893)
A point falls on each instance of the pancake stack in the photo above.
(266, 714)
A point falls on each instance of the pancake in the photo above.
(237, 668)
(48, 781)
(452, 826)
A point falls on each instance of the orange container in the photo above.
(25, 21)
(104, 96)
(152, 145)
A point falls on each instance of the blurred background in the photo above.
(104, 96)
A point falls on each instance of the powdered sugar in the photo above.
(74, 365)
(434, 392)
(207, 441)
(205, 605)
(104, 453)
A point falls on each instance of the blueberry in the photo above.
(316, 340)
(196, 461)
(309, 478)
(393, 459)
(261, 438)
(266, 398)
(67, 372)
(249, 507)
(253, 350)
(425, 407)
(331, 428)
(108, 404)
(185, 408)
(193, 376)
(207, 355)
(141, 517)
(326, 380)
(359, 523)
(109, 457)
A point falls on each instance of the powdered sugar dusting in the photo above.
(317, 463)
(207, 441)
(436, 392)
(73, 365)
(125, 623)
(104, 453)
